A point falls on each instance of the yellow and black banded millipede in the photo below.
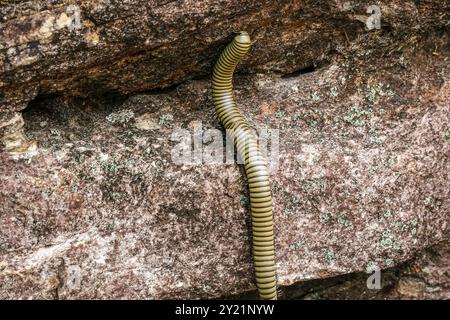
(255, 165)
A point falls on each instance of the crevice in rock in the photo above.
(308, 69)
(347, 286)
(163, 90)
(403, 281)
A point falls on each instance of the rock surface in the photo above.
(87, 47)
(426, 276)
(93, 205)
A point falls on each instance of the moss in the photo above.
(55, 133)
(403, 226)
(206, 288)
(346, 223)
(55, 146)
(314, 123)
(296, 116)
(374, 137)
(313, 296)
(389, 91)
(380, 90)
(392, 160)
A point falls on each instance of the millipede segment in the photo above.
(255, 164)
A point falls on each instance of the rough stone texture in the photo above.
(99, 210)
(426, 276)
(91, 46)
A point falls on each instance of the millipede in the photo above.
(255, 165)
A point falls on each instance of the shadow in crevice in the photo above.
(344, 287)
(55, 119)
(299, 72)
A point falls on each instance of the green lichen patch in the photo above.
(372, 266)
(315, 97)
(389, 262)
(334, 92)
(427, 201)
(116, 196)
(447, 134)
(296, 245)
(388, 239)
(326, 217)
(243, 198)
(110, 167)
(388, 213)
(120, 117)
(280, 114)
(166, 120)
(315, 186)
(288, 210)
(329, 255)
(379, 89)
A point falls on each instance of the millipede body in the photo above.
(246, 143)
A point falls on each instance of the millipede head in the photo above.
(243, 37)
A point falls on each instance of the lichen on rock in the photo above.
(93, 205)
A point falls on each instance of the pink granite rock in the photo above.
(100, 209)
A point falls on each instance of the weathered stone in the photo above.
(92, 46)
(423, 277)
